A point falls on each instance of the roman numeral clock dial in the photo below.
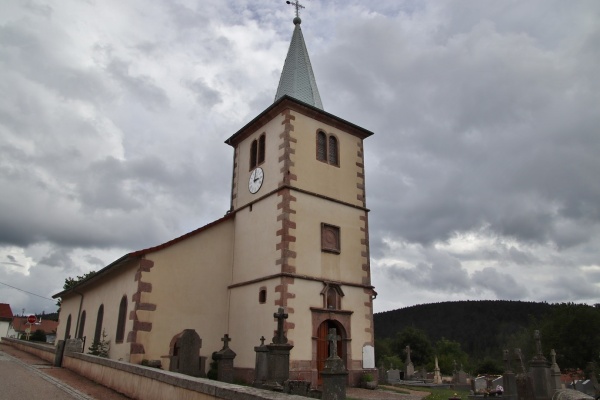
(256, 180)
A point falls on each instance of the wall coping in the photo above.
(217, 389)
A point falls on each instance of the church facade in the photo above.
(296, 236)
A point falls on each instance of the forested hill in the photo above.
(481, 327)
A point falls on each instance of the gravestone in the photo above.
(224, 359)
(437, 376)
(540, 371)
(334, 373)
(460, 377)
(278, 357)
(393, 376)
(368, 357)
(186, 354)
(74, 345)
(409, 368)
(570, 394)
(382, 375)
(509, 379)
(480, 384)
(260, 365)
(555, 382)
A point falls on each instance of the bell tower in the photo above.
(301, 225)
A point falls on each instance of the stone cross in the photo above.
(506, 358)
(262, 340)
(538, 342)
(226, 341)
(279, 337)
(333, 338)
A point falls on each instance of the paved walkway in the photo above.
(25, 376)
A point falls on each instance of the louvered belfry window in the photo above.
(328, 149)
(261, 149)
(333, 150)
(321, 146)
(257, 152)
(253, 153)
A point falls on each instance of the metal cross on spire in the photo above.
(298, 6)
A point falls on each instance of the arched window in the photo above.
(333, 150)
(99, 319)
(68, 328)
(327, 149)
(121, 321)
(321, 146)
(261, 149)
(81, 324)
(257, 152)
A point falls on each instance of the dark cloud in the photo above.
(481, 176)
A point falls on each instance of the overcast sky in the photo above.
(483, 176)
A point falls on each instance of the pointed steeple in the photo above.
(297, 78)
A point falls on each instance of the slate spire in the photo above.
(297, 78)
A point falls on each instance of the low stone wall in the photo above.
(44, 351)
(140, 382)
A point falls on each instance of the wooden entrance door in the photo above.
(323, 345)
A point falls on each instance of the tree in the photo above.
(449, 351)
(72, 282)
(572, 330)
(489, 366)
(421, 351)
(100, 347)
(385, 355)
(38, 336)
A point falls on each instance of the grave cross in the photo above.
(262, 340)
(333, 338)
(279, 337)
(226, 341)
(538, 342)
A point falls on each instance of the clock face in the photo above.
(256, 180)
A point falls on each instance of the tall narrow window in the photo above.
(81, 325)
(261, 149)
(68, 328)
(253, 154)
(99, 323)
(121, 321)
(333, 150)
(321, 146)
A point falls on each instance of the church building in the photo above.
(296, 236)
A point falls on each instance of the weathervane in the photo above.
(298, 6)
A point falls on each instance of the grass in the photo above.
(441, 393)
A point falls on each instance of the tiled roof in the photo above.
(48, 326)
(5, 311)
(297, 77)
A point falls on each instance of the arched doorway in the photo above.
(323, 344)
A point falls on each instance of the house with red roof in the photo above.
(6, 317)
(20, 325)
